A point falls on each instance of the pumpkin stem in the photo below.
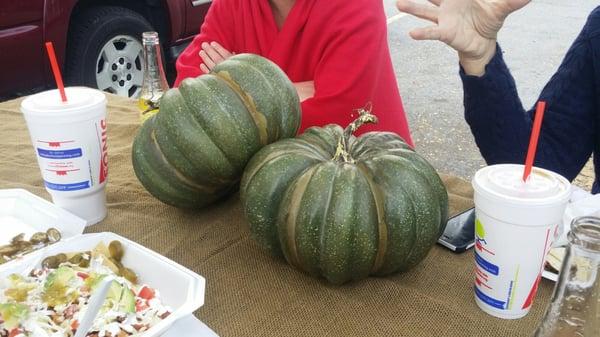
(364, 117)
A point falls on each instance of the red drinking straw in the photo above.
(56, 71)
(533, 141)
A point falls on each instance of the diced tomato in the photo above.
(147, 293)
(15, 332)
(82, 275)
(141, 305)
(74, 325)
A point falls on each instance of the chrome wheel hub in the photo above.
(119, 66)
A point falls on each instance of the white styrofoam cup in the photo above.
(516, 223)
(70, 142)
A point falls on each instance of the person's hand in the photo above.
(212, 54)
(468, 26)
(305, 90)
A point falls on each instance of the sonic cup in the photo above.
(515, 226)
(69, 139)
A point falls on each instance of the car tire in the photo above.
(105, 51)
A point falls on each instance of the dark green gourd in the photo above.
(343, 207)
(194, 150)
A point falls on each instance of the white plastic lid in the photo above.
(24, 212)
(505, 181)
(49, 102)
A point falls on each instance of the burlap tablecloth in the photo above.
(249, 293)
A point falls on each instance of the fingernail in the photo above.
(204, 44)
(214, 44)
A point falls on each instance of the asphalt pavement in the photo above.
(534, 39)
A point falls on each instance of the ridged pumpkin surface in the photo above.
(376, 214)
(194, 150)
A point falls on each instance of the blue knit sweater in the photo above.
(571, 126)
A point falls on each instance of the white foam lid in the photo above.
(24, 212)
(505, 181)
(78, 98)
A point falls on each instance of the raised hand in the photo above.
(212, 54)
(468, 26)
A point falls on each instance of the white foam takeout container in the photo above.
(22, 212)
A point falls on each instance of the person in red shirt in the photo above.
(335, 52)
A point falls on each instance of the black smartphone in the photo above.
(459, 234)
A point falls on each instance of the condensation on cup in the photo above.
(516, 224)
(70, 141)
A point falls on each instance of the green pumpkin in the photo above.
(193, 152)
(343, 207)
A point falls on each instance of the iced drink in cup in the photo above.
(69, 139)
(515, 226)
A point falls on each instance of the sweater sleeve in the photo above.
(217, 27)
(502, 127)
(346, 74)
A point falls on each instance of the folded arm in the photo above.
(217, 27)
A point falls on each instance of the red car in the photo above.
(97, 42)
